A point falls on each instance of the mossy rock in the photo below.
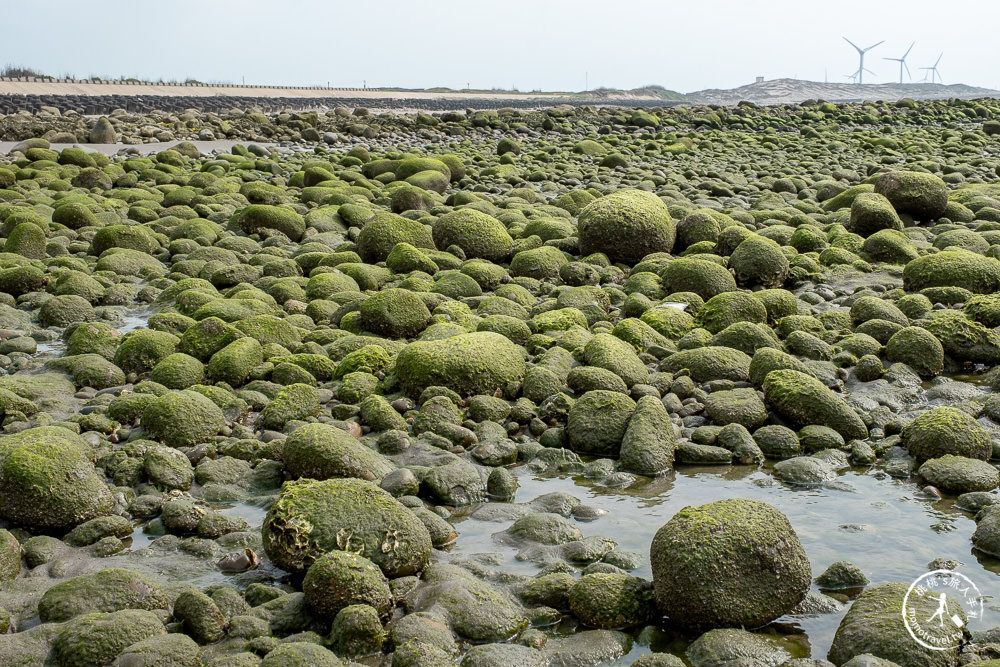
(626, 226)
(379, 236)
(313, 517)
(170, 650)
(918, 349)
(396, 313)
(339, 579)
(295, 401)
(321, 451)
(728, 308)
(922, 195)
(182, 418)
(478, 235)
(129, 237)
(953, 268)
(613, 354)
(256, 217)
(139, 351)
(20, 280)
(48, 481)
(959, 474)
(102, 591)
(710, 363)
(474, 363)
(759, 261)
(203, 339)
(874, 626)
(98, 639)
(871, 213)
(946, 430)
(178, 371)
(961, 337)
(26, 240)
(233, 363)
(805, 400)
(597, 422)
(539, 263)
(702, 277)
(730, 563)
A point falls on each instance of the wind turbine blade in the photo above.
(874, 45)
(896, 59)
(908, 50)
(907, 70)
(851, 43)
(869, 71)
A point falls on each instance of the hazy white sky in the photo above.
(527, 44)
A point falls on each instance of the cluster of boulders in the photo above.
(367, 342)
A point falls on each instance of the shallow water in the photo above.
(885, 526)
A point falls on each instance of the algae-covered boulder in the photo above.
(759, 261)
(296, 654)
(171, 650)
(378, 238)
(474, 363)
(395, 313)
(700, 276)
(731, 646)
(322, 451)
(613, 354)
(255, 217)
(728, 308)
(730, 563)
(961, 337)
(953, 268)
(805, 400)
(206, 337)
(200, 616)
(476, 233)
(922, 195)
(181, 418)
(312, 517)
(295, 401)
(598, 421)
(648, 444)
(874, 625)
(102, 591)
(946, 430)
(605, 600)
(98, 639)
(711, 363)
(233, 363)
(48, 480)
(474, 609)
(178, 371)
(918, 349)
(626, 226)
(139, 351)
(339, 579)
(871, 213)
(960, 474)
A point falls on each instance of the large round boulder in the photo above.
(759, 261)
(470, 364)
(805, 400)
(730, 563)
(322, 451)
(626, 226)
(476, 233)
(48, 480)
(946, 430)
(396, 313)
(597, 422)
(339, 579)
(953, 268)
(313, 517)
(182, 418)
(922, 195)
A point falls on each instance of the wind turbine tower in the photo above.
(861, 53)
(933, 70)
(902, 64)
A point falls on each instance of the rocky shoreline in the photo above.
(279, 404)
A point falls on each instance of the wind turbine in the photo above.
(933, 70)
(861, 53)
(902, 64)
(853, 77)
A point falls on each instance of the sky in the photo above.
(523, 44)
